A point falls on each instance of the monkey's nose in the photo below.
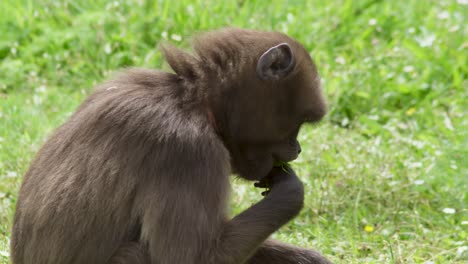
(299, 150)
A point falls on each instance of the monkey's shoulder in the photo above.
(140, 104)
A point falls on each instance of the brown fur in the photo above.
(140, 172)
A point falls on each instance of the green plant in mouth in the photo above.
(282, 164)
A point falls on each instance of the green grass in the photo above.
(380, 171)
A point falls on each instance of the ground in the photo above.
(386, 172)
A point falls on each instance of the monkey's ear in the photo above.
(181, 62)
(276, 63)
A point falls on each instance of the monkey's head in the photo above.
(261, 87)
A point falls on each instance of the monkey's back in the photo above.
(107, 142)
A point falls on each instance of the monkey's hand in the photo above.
(285, 192)
(282, 171)
(264, 183)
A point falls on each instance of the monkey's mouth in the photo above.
(285, 157)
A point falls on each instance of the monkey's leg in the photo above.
(274, 252)
(130, 253)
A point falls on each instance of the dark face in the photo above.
(254, 161)
(287, 94)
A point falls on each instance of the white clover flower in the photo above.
(176, 37)
(448, 211)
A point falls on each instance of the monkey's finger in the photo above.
(261, 184)
(265, 193)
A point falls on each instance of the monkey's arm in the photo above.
(183, 217)
(247, 231)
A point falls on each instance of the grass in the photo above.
(386, 172)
